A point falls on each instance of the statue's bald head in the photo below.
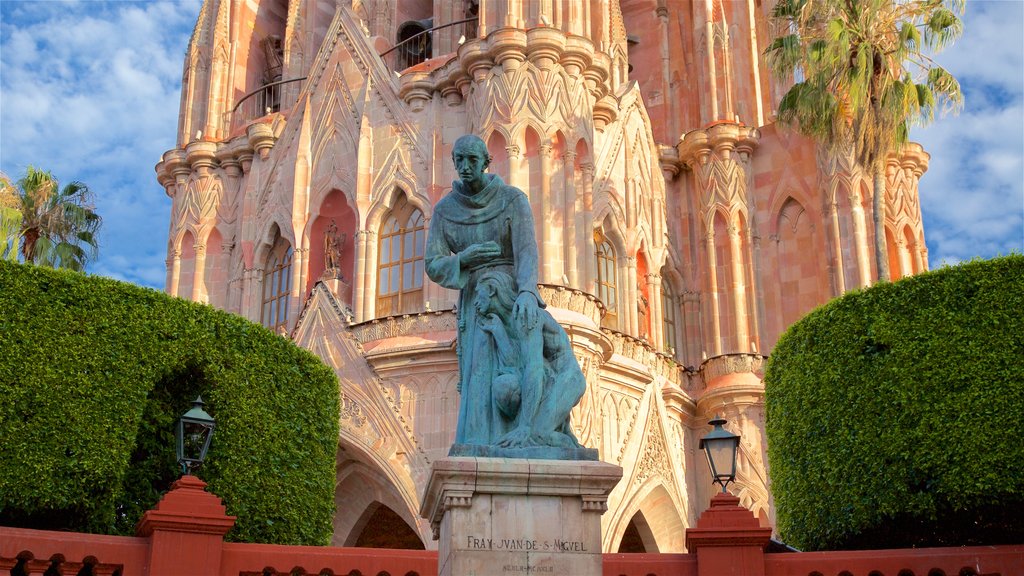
(471, 142)
(471, 160)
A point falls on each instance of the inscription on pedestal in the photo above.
(498, 517)
(524, 545)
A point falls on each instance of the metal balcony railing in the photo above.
(418, 47)
(262, 101)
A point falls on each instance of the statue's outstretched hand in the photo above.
(525, 310)
(478, 254)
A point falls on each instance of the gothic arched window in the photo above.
(277, 286)
(668, 317)
(400, 261)
(606, 284)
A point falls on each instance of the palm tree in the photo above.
(46, 224)
(864, 77)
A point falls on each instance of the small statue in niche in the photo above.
(334, 243)
(642, 310)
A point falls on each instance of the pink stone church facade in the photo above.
(680, 229)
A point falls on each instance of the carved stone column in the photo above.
(739, 290)
(571, 213)
(691, 327)
(296, 300)
(657, 313)
(589, 251)
(199, 275)
(630, 300)
(838, 268)
(516, 168)
(549, 269)
(719, 157)
(366, 269)
(860, 240)
(714, 313)
(175, 272)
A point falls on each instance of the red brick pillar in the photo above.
(728, 540)
(186, 531)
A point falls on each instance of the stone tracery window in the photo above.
(606, 279)
(277, 285)
(400, 261)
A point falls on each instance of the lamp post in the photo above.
(728, 538)
(720, 446)
(194, 431)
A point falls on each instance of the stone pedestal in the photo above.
(186, 531)
(728, 539)
(518, 517)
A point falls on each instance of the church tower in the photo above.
(680, 230)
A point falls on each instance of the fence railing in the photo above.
(419, 46)
(184, 534)
(262, 101)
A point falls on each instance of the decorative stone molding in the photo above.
(641, 351)
(654, 460)
(726, 364)
(351, 411)
(261, 138)
(404, 325)
(720, 156)
(592, 503)
(574, 300)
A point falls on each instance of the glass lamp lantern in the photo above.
(720, 448)
(195, 430)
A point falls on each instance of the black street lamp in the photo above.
(720, 447)
(195, 429)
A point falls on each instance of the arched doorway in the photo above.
(382, 527)
(371, 511)
(638, 537)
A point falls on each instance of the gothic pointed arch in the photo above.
(395, 172)
(378, 515)
(331, 241)
(671, 314)
(638, 537)
(276, 285)
(652, 487)
(187, 268)
(608, 278)
(498, 149)
(400, 269)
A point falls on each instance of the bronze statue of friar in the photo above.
(518, 378)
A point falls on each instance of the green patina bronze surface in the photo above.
(518, 378)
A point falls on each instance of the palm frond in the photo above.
(56, 226)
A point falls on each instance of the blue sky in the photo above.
(90, 90)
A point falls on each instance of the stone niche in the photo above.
(505, 517)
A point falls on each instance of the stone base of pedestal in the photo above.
(504, 517)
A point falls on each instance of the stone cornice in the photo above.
(722, 139)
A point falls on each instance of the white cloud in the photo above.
(972, 197)
(90, 91)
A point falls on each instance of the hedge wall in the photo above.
(93, 376)
(894, 414)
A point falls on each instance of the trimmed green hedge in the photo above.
(93, 376)
(895, 414)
